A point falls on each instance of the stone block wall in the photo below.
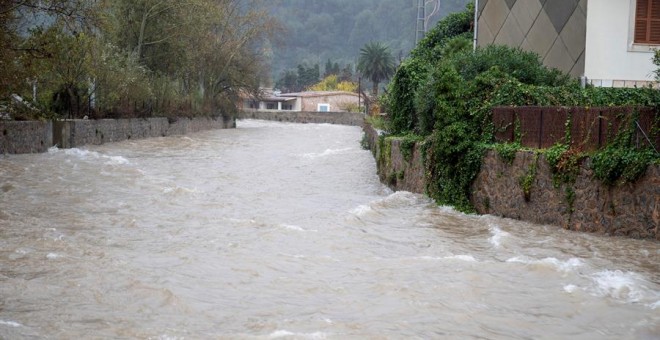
(25, 137)
(340, 118)
(38, 136)
(587, 205)
(631, 210)
(397, 171)
(73, 133)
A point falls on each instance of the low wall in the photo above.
(340, 118)
(74, 133)
(25, 137)
(586, 205)
(37, 136)
(631, 210)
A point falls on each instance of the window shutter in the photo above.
(641, 21)
(654, 31)
(647, 22)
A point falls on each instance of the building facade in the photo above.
(606, 42)
(310, 101)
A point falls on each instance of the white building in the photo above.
(309, 101)
(610, 42)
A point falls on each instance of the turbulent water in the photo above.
(278, 230)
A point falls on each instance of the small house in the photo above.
(309, 101)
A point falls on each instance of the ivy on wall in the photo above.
(444, 95)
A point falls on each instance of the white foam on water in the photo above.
(654, 305)
(86, 154)
(116, 160)
(53, 256)
(570, 288)
(564, 266)
(10, 323)
(327, 152)
(623, 286)
(284, 333)
(400, 198)
(497, 236)
(168, 337)
(179, 190)
(294, 228)
(466, 258)
(362, 210)
(53, 149)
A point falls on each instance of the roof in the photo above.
(276, 99)
(318, 94)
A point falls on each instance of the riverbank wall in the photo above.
(340, 118)
(38, 136)
(631, 210)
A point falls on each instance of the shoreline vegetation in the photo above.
(126, 59)
(443, 97)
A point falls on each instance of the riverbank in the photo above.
(340, 118)
(17, 137)
(631, 210)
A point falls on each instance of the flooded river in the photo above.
(283, 231)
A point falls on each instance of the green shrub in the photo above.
(507, 151)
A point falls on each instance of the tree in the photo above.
(332, 83)
(376, 63)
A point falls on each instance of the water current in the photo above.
(283, 231)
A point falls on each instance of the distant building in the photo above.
(608, 42)
(311, 101)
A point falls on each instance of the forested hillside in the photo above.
(318, 30)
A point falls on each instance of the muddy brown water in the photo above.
(283, 231)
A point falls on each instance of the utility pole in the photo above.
(423, 18)
(421, 21)
(476, 24)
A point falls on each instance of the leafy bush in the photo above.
(622, 160)
(446, 93)
(621, 164)
(507, 151)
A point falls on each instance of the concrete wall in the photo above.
(25, 137)
(631, 210)
(341, 118)
(37, 136)
(610, 54)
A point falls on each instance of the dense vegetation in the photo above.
(445, 92)
(320, 30)
(71, 58)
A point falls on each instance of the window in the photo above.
(254, 104)
(323, 108)
(647, 22)
(271, 106)
(288, 107)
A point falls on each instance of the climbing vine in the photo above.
(623, 161)
(527, 180)
(445, 96)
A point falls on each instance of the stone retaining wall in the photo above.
(341, 118)
(25, 137)
(631, 210)
(37, 136)
(587, 205)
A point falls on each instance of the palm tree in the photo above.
(376, 63)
